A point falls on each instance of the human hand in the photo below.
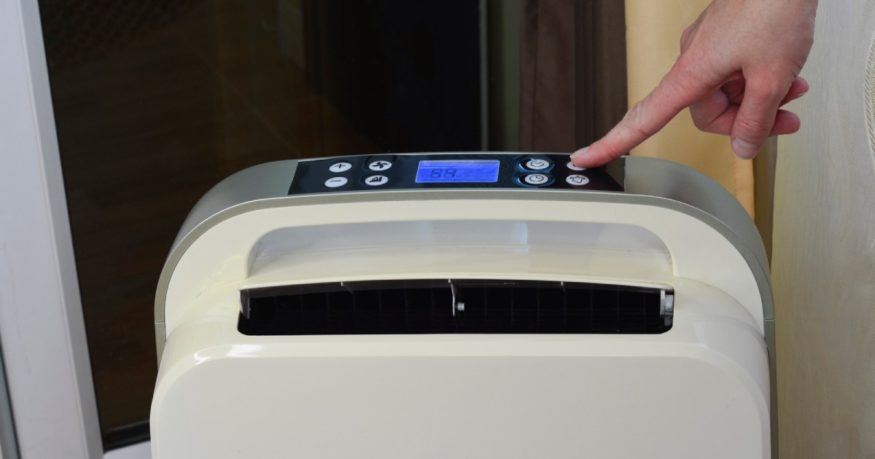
(739, 63)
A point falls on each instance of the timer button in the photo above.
(380, 165)
(340, 167)
(537, 164)
(575, 168)
(336, 182)
(536, 179)
(577, 180)
(376, 180)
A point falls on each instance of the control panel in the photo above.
(471, 170)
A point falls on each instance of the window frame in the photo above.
(50, 397)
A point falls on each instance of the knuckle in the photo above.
(635, 131)
(705, 116)
(635, 123)
(753, 128)
(685, 35)
(769, 86)
(687, 76)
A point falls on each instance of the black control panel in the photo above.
(442, 171)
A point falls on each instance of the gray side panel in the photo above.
(773, 386)
(268, 180)
(655, 177)
(8, 440)
(648, 176)
(671, 180)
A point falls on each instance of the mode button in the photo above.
(536, 164)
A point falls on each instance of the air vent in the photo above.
(454, 306)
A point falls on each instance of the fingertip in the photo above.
(790, 116)
(744, 149)
(580, 153)
(798, 88)
(786, 122)
(581, 158)
(801, 84)
(592, 157)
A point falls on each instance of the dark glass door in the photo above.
(157, 100)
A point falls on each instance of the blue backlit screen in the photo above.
(458, 171)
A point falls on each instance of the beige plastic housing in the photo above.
(699, 390)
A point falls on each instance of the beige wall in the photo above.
(653, 31)
(824, 250)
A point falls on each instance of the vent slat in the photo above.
(416, 307)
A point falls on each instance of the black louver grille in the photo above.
(457, 306)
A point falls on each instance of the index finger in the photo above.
(677, 90)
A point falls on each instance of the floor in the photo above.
(137, 451)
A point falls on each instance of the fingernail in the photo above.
(580, 153)
(744, 149)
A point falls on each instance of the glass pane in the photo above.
(157, 100)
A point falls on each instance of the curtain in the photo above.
(653, 31)
(573, 72)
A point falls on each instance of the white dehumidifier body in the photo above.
(464, 305)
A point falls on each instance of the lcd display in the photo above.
(458, 171)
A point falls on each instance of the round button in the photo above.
(336, 182)
(380, 165)
(536, 179)
(575, 168)
(376, 180)
(576, 180)
(537, 164)
(340, 167)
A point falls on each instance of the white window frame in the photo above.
(42, 334)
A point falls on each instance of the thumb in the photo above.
(756, 116)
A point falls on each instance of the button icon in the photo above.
(536, 179)
(577, 180)
(336, 182)
(340, 167)
(376, 180)
(380, 165)
(575, 168)
(537, 164)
